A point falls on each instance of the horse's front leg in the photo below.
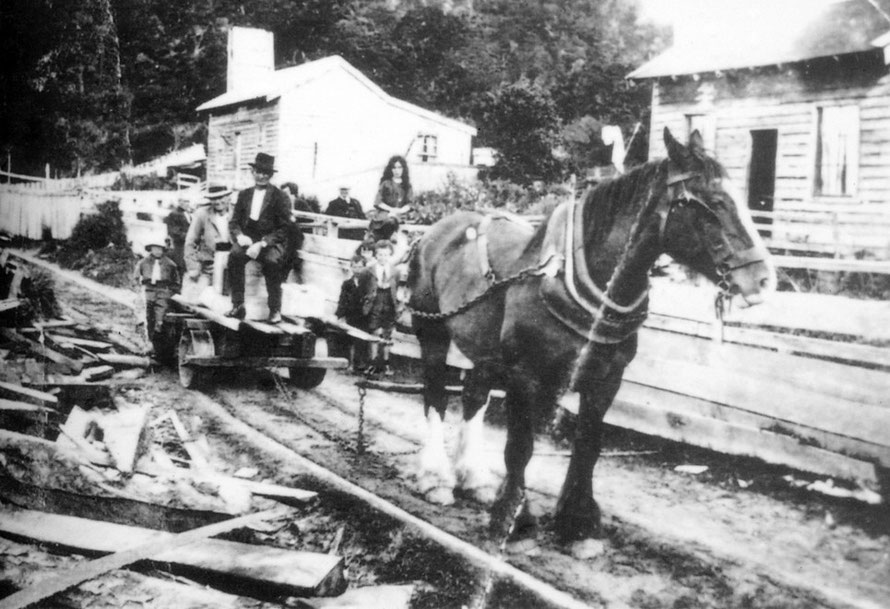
(435, 478)
(475, 479)
(577, 513)
(521, 397)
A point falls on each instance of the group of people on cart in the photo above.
(263, 227)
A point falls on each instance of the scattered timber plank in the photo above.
(390, 596)
(25, 394)
(9, 303)
(196, 455)
(54, 323)
(81, 342)
(272, 570)
(117, 359)
(123, 436)
(27, 418)
(41, 350)
(97, 373)
(121, 587)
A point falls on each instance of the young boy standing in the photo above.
(353, 306)
(382, 318)
(159, 277)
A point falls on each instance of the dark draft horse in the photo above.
(540, 311)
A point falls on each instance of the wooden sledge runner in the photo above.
(206, 339)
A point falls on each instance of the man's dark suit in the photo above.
(347, 208)
(271, 227)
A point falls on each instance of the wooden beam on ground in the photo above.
(275, 570)
(9, 304)
(196, 455)
(116, 359)
(41, 350)
(97, 373)
(25, 394)
(54, 323)
(81, 342)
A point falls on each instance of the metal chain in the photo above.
(495, 284)
(360, 441)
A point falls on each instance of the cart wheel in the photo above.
(307, 378)
(189, 376)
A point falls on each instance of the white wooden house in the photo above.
(794, 103)
(327, 125)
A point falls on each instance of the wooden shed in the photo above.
(327, 125)
(796, 105)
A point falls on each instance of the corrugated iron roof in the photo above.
(840, 28)
(291, 78)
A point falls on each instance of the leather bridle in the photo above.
(725, 257)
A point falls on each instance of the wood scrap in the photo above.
(54, 323)
(196, 455)
(81, 342)
(275, 570)
(117, 359)
(388, 595)
(25, 394)
(9, 303)
(97, 373)
(41, 350)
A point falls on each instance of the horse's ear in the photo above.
(676, 151)
(696, 144)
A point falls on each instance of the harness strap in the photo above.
(576, 269)
(482, 247)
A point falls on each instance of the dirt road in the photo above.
(737, 535)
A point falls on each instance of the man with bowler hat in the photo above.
(258, 228)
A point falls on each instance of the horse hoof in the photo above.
(440, 496)
(587, 549)
(484, 495)
(527, 547)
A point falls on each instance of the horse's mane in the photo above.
(607, 199)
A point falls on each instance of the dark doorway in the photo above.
(762, 178)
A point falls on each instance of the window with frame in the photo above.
(837, 151)
(429, 147)
(704, 124)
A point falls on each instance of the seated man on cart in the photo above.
(259, 230)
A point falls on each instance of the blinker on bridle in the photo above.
(725, 258)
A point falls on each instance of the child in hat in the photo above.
(159, 277)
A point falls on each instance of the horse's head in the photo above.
(706, 227)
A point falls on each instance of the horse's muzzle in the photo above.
(752, 277)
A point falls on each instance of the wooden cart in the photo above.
(207, 339)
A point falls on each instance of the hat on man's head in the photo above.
(264, 162)
(151, 245)
(216, 192)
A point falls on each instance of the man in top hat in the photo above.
(345, 206)
(159, 277)
(258, 229)
(208, 233)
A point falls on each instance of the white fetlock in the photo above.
(474, 478)
(435, 478)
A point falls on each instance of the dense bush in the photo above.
(431, 206)
(98, 246)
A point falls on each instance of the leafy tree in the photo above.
(62, 98)
(520, 121)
